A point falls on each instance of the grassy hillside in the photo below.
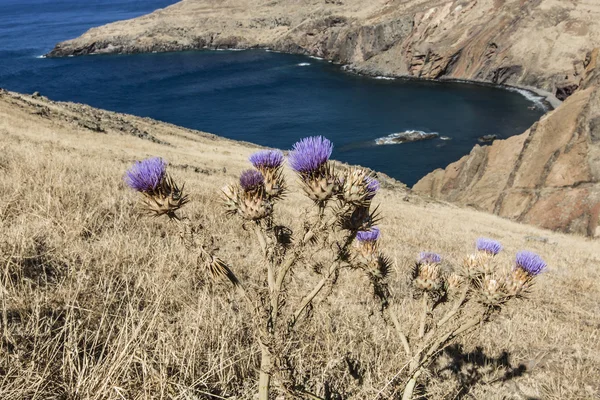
(99, 302)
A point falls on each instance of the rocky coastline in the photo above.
(545, 47)
(495, 41)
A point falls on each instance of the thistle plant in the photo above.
(338, 227)
(163, 197)
(455, 301)
(337, 233)
(161, 194)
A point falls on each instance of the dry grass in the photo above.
(97, 302)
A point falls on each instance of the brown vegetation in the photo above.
(99, 302)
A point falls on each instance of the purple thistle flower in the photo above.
(489, 245)
(372, 187)
(309, 154)
(530, 262)
(426, 257)
(250, 179)
(146, 175)
(269, 159)
(372, 235)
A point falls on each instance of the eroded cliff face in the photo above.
(540, 43)
(548, 176)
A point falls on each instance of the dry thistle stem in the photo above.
(479, 289)
(162, 196)
(325, 236)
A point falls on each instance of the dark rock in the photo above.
(406, 136)
(487, 138)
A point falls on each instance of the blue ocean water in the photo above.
(258, 96)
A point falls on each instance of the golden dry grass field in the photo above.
(99, 302)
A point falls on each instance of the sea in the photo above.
(258, 96)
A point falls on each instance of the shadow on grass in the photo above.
(470, 368)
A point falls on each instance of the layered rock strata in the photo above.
(540, 43)
(548, 176)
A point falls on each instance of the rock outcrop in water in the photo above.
(406, 137)
(540, 43)
(548, 176)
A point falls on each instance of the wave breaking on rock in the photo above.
(406, 136)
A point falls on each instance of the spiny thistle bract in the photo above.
(475, 265)
(358, 187)
(426, 273)
(527, 266)
(372, 187)
(248, 199)
(489, 246)
(309, 158)
(366, 241)
(162, 196)
(270, 165)
(375, 263)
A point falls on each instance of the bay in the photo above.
(258, 96)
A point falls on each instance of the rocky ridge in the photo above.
(548, 176)
(539, 43)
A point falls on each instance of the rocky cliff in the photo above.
(548, 176)
(541, 43)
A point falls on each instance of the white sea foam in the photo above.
(387, 78)
(304, 64)
(42, 56)
(315, 57)
(533, 97)
(416, 135)
(445, 138)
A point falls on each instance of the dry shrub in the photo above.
(97, 302)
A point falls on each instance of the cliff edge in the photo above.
(548, 176)
(539, 43)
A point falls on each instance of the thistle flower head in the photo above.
(267, 159)
(310, 154)
(359, 218)
(492, 291)
(454, 282)
(146, 175)
(427, 277)
(489, 246)
(357, 187)
(429, 258)
(251, 179)
(530, 263)
(372, 187)
(475, 265)
(371, 235)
